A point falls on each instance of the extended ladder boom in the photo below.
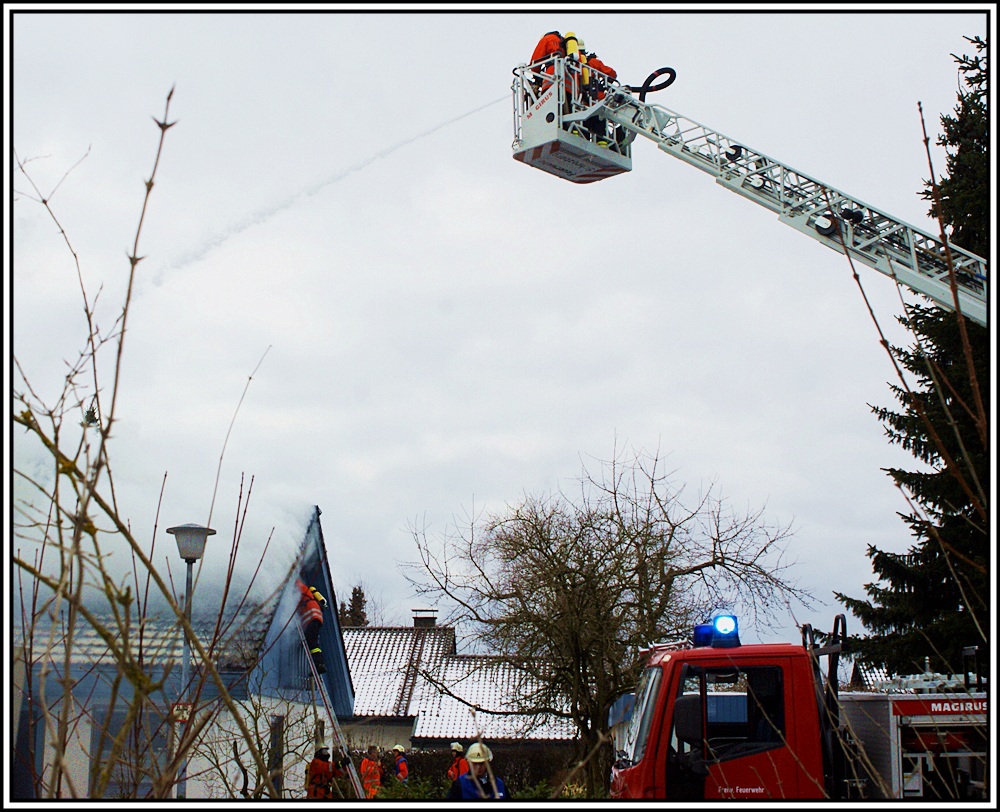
(554, 131)
(837, 220)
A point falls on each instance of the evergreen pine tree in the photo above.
(934, 600)
(964, 193)
(355, 614)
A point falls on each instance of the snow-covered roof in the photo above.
(160, 638)
(868, 677)
(385, 663)
(468, 688)
(415, 672)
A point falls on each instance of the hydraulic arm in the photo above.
(835, 219)
(550, 134)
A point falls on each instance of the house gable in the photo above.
(283, 667)
(244, 653)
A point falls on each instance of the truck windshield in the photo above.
(745, 710)
(637, 732)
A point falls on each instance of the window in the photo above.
(637, 733)
(142, 756)
(275, 751)
(294, 668)
(744, 714)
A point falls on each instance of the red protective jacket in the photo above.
(549, 44)
(371, 776)
(458, 767)
(607, 70)
(319, 779)
(402, 768)
(309, 608)
(597, 64)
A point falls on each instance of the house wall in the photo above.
(212, 769)
(213, 772)
(76, 780)
(19, 686)
(83, 754)
(383, 732)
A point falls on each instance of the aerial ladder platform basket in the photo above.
(549, 129)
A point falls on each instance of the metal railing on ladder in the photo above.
(337, 736)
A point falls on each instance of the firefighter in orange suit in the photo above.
(311, 605)
(598, 81)
(321, 773)
(550, 43)
(459, 766)
(371, 772)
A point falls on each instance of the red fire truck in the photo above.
(718, 720)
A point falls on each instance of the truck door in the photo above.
(730, 737)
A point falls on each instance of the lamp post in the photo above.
(191, 540)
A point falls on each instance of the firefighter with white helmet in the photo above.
(402, 768)
(480, 783)
(459, 766)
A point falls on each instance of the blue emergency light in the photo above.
(722, 632)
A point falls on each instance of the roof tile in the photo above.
(416, 672)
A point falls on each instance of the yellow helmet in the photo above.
(478, 752)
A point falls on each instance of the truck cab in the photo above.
(725, 721)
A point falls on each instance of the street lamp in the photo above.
(191, 540)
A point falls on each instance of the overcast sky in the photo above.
(434, 325)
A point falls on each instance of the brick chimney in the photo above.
(424, 618)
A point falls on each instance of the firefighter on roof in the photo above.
(311, 606)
